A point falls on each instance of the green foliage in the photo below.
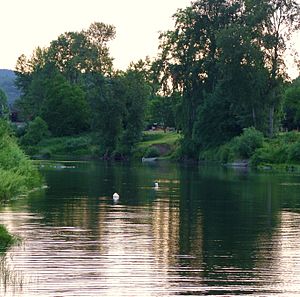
(294, 152)
(284, 148)
(167, 141)
(226, 60)
(79, 146)
(292, 105)
(12, 184)
(6, 239)
(118, 106)
(4, 111)
(36, 131)
(270, 154)
(7, 84)
(150, 138)
(219, 70)
(161, 111)
(151, 152)
(17, 173)
(216, 123)
(224, 154)
(65, 109)
(245, 145)
(134, 91)
(107, 108)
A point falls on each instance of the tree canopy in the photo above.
(218, 71)
(226, 59)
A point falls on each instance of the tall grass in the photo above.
(17, 172)
(6, 239)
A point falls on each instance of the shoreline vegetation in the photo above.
(18, 176)
(218, 78)
(251, 149)
(154, 144)
(6, 239)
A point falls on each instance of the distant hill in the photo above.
(7, 84)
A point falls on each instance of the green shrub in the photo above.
(74, 144)
(6, 239)
(151, 152)
(209, 154)
(245, 145)
(11, 184)
(271, 152)
(36, 131)
(289, 137)
(294, 152)
(225, 153)
(17, 172)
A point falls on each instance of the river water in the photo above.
(204, 231)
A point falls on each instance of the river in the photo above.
(205, 230)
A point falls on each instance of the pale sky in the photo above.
(26, 24)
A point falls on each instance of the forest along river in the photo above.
(204, 231)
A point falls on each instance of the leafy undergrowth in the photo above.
(18, 175)
(6, 239)
(77, 147)
(157, 144)
(279, 153)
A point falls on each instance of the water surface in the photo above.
(204, 231)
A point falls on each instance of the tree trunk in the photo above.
(271, 121)
(254, 117)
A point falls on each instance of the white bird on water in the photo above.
(156, 185)
(116, 196)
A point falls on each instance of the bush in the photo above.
(294, 152)
(245, 145)
(12, 184)
(79, 143)
(225, 153)
(17, 173)
(6, 239)
(273, 151)
(36, 131)
(151, 152)
(289, 137)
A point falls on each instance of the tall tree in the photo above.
(4, 110)
(71, 54)
(98, 35)
(135, 92)
(65, 108)
(232, 51)
(107, 110)
(283, 19)
(189, 57)
(292, 106)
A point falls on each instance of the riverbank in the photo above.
(158, 144)
(252, 149)
(18, 174)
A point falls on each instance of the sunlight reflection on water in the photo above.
(167, 245)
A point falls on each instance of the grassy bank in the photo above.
(18, 175)
(68, 147)
(282, 151)
(157, 144)
(85, 146)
